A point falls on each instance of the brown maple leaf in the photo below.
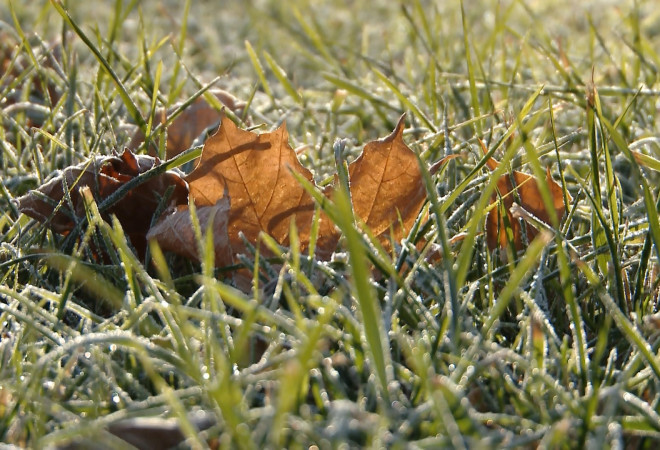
(531, 202)
(104, 175)
(256, 172)
(386, 183)
(190, 123)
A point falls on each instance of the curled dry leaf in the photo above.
(190, 123)
(104, 175)
(531, 202)
(174, 231)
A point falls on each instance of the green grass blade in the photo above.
(474, 96)
(126, 98)
(282, 77)
(371, 313)
(405, 100)
(519, 274)
(627, 328)
(258, 68)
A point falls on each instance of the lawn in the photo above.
(540, 330)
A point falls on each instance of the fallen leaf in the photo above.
(104, 175)
(528, 192)
(256, 171)
(245, 184)
(386, 183)
(190, 123)
(174, 231)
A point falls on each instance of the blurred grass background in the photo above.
(555, 348)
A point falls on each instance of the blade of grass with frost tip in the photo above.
(313, 238)
(612, 246)
(404, 99)
(628, 329)
(593, 131)
(652, 210)
(598, 240)
(519, 274)
(132, 269)
(428, 34)
(447, 259)
(374, 251)
(649, 202)
(474, 96)
(134, 293)
(52, 139)
(580, 347)
(171, 117)
(367, 300)
(26, 45)
(283, 78)
(259, 69)
(126, 98)
(612, 202)
(118, 19)
(564, 189)
(541, 181)
(487, 86)
(160, 263)
(145, 60)
(70, 106)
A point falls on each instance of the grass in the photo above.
(555, 347)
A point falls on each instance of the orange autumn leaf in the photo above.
(256, 172)
(529, 194)
(385, 183)
(104, 175)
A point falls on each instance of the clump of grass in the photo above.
(555, 346)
